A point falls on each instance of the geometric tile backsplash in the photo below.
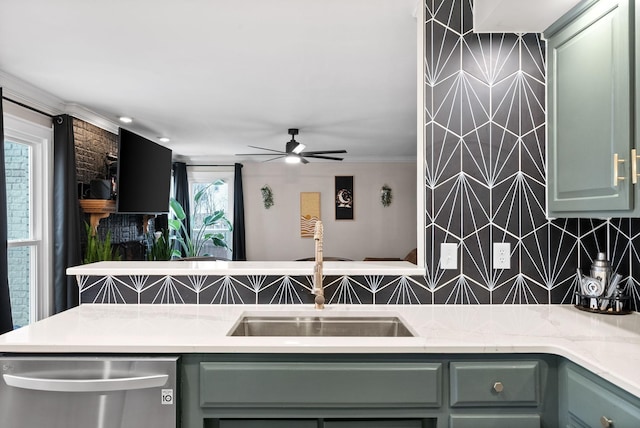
(484, 180)
(485, 171)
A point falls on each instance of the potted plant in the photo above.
(159, 245)
(192, 241)
(98, 249)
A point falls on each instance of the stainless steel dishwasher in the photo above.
(88, 392)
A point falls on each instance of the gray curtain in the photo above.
(66, 215)
(6, 321)
(181, 189)
(239, 247)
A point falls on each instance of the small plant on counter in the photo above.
(385, 195)
(267, 196)
(97, 249)
(160, 246)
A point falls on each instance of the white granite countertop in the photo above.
(608, 345)
(219, 267)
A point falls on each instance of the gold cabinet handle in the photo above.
(634, 166)
(606, 422)
(616, 177)
(498, 387)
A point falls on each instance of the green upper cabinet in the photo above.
(590, 108)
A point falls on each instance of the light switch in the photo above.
(501, 255)
(448, 256)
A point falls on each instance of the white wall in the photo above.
(376, 231)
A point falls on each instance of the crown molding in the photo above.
(25, 93)
(18, 90)
(89, 116)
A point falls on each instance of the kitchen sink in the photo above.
(316, 325)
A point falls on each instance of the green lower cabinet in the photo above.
(495, 384)
(268, 423)
(398, 391)
(392, 423)
(495, 421)
(589, 401)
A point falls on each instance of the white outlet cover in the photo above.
(448, 256)
(501, 255)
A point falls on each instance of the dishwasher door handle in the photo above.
(86, 385)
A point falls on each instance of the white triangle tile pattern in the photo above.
(484, 182)
(485, 171)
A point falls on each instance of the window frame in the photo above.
(40, 140)
(208, 174)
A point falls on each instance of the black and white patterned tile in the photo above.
(484, 164)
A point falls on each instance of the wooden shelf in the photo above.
(97, 210)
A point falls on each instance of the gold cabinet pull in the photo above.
(634, 166)
(498, 387)
(606, 422)
(616, 177)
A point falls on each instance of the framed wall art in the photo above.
(344, 197)
(309, 213)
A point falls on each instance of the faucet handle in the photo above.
(318, 231)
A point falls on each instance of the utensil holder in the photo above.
(616, 305)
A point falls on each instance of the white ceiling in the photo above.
(218, 75)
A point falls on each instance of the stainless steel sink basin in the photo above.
(310, 325)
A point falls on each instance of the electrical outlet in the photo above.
(501, 255)
(448, 256)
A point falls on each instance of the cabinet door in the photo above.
(589, 113)
(586, 400)
(495, 421)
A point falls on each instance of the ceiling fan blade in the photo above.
(264, 148)
(323, 152)
(303, 160)
(272, 159)
(323, 157)
(261, 154)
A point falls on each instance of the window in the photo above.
(217, 183)
(27, 166)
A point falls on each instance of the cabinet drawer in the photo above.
(495, 421)
(395, 423)
(588, 402)
(268, 423)
(273, 384)
(487, 384)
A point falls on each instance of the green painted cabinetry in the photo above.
(590, 105)
(368, 391)
(588, 401)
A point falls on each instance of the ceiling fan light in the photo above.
(299, 148)
(291, 158)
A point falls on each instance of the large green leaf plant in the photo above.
(192, 241)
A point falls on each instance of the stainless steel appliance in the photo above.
(88, 392)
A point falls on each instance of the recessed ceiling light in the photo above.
(164, 139)
(125, 119)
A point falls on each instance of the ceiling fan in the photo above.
(294, 151)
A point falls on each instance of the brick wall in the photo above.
(92, 145)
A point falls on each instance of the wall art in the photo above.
(309, 213)
(344, 197)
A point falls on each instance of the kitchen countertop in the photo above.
(220, 267)
(607, 345)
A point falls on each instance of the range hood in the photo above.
(518, 16)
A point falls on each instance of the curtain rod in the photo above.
(189, 164)
(28, 107)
